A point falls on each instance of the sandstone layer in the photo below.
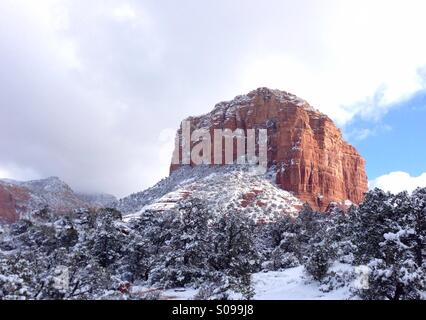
(305, 148)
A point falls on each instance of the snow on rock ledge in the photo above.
(311, 158)
(223, 188)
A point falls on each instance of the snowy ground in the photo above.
(290, 284)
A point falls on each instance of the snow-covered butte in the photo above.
(309, 154)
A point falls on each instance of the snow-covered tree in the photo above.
(280, 246)
(416, 220)
(395, 274)
(186, 252)
(369, 223)
(310, 227)
(388, 231)
(233, 244)
(108, 241)
(319, 261)
(93, 254)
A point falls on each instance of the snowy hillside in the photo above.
(37, 194)
(289, 284)
(27, 197)
(97, 200)
(223, 188)
(196, 252)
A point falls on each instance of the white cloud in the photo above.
(399, 181)
(89, 86)
(124, 12)
(368, 58)
(18, 173)
(359, 134)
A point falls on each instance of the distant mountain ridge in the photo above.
(18, 198)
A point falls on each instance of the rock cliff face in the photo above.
(305, 148)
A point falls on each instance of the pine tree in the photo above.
(339, 233)
(187, 250)
(390, 247)
(309, 224)
(149, 241)
(370, 222)
(319, 261)
(234, 250)
(282, 239)
(416, 219)
(108, 240)
(394, 275)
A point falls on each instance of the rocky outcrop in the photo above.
(8, 211)
(19, 198)
(305, 148)
(222, 189)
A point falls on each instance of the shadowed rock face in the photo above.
(307, 150)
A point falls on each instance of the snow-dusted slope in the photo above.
(295, 284)
(288, 284)
(97, 200)
(223, 188)
(25, 197)
(37, 194)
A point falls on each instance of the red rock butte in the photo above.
(305, 148)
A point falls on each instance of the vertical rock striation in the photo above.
(305, 148)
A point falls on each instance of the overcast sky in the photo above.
(90, 90)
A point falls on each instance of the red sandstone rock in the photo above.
(7, 207)
(20, 198)
(306, 149)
